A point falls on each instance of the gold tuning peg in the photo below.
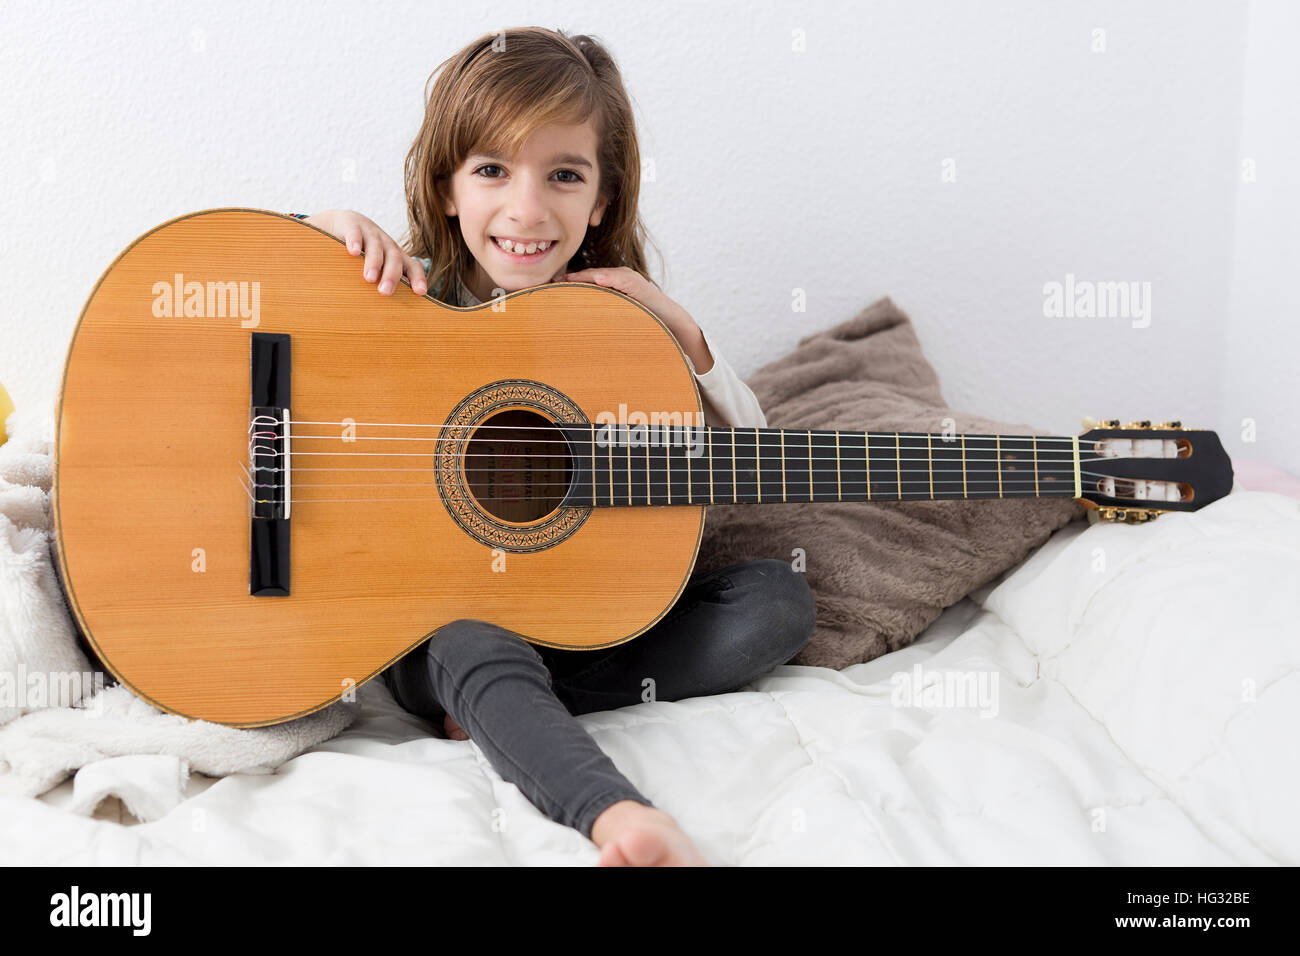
(1088, 422)
(1142, 424)
(1127, 515)
(1171, 425)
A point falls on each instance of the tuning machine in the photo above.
(1090, 422)
(1127, 515)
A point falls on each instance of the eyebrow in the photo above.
(572, 159)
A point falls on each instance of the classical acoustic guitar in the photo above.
(271, 482)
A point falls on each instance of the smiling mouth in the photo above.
(523, 256)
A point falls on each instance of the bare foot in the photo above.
(454, 730)
(632, 834)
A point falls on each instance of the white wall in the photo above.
(1261, 372)
(774, 170)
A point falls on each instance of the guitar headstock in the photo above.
(1138, 471)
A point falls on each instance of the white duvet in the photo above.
(1128, 695)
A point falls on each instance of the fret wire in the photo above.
(1035, 450)
(783, 464)
(734, 497)
(866, 460)
(593, 465)
(668, 469)
(1078, 484)
(998, 448)
(710, 438)
(688, 473)
(929, 453)
(647, 465)
(963, 467)
(812, 489)
(758, 473)
(898, 460)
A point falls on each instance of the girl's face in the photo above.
(549, 193)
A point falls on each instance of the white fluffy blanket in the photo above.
(117, 744)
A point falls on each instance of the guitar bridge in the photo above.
(270, 465)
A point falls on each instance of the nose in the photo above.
(527, 204)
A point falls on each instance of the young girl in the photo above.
(526, 171)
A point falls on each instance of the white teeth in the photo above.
(520, 249)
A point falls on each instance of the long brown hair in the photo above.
(491, 97)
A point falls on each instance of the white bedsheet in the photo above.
(1146, 703)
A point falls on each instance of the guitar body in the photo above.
(152, 498)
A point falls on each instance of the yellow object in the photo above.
(6, 406)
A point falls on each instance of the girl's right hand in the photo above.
(385, 262)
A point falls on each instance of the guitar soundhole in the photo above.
(517, 466)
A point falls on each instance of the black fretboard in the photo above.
(666, 465)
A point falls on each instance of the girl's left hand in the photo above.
(635, 286)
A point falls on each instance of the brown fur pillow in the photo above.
(881, 572)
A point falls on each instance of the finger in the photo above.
(352, 237)
(374, 255)
(588, 275)
(394, 264)
(415, 272)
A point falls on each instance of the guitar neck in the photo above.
(669, 465)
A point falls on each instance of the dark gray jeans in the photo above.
(517, 701)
